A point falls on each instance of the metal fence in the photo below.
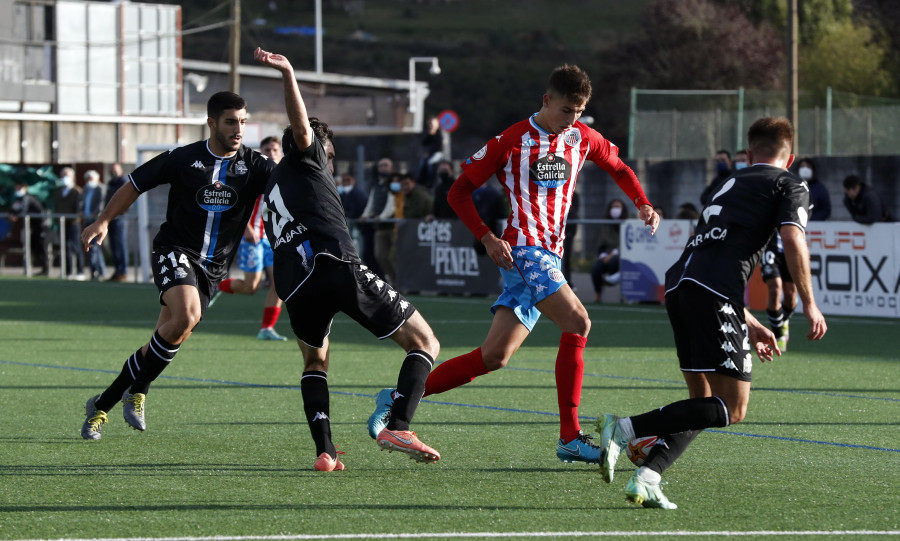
(686, 124)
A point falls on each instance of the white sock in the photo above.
(648, 476)
(627, 428)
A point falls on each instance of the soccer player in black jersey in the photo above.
(714, 332)
(318, 273)
(212, 187)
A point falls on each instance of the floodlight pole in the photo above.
(792, 76)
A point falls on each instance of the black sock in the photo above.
(690, 414)
(776, 318)
(113, 393)
(410, 388)
(667, 451)
(314, 388)
(788, 312)
(159, 354)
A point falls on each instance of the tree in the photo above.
(701, 44)
(847, 57)
(814, 15)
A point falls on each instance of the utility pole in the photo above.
(792, 77)
(234, 42)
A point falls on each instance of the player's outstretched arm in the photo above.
(796, 255)
(293, 101)
(120, 202)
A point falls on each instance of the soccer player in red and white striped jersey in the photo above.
(537, 161)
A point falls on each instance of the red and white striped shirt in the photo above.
(538, 170)
(256, 221)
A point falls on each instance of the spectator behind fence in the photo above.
(687, 211)
(819, 199)
(443, 181)
(24, 204)
(432, 144)
(376, 206)
(93, 203)
(605, 270)
(741, 160)
(118, 240)
(69, 201)
(863, 202)
(417, 202)
(352, 197)
(723, 171)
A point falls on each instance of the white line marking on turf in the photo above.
(395, 535)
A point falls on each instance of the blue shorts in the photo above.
(537, 274)
(255, 257)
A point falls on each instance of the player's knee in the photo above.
(428, 343)
(185, 322)
(737, 414)
(578, 323)
(495, 358)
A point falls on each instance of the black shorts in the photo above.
(335, 286)
(774, 265)
(172, 267)
(710, 332)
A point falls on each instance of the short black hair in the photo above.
(269, 139)
(320, 130)
(852, 181)
(222, 101)
(570, 81)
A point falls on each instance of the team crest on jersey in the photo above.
(481, 153)
(240, 168)
(551, 171)
(556, 275)
(572, 137)
(216, 197)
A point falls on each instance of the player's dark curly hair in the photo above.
(320, 130)
(222, 101)
(770, 136)
(570, 81)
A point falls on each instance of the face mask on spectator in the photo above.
(395, 187)
(615, 213)
(22, 192)
(805, 173)
(739, 165)
(721, 167)
(68, 181)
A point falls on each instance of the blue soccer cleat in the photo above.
(581, 449)
(384, 402)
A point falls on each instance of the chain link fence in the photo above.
(685, 124)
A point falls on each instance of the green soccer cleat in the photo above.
(94, 420)
(646, 494)
(612, 441)
(270, 334)
(133, 410)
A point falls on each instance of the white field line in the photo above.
(470, 535)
